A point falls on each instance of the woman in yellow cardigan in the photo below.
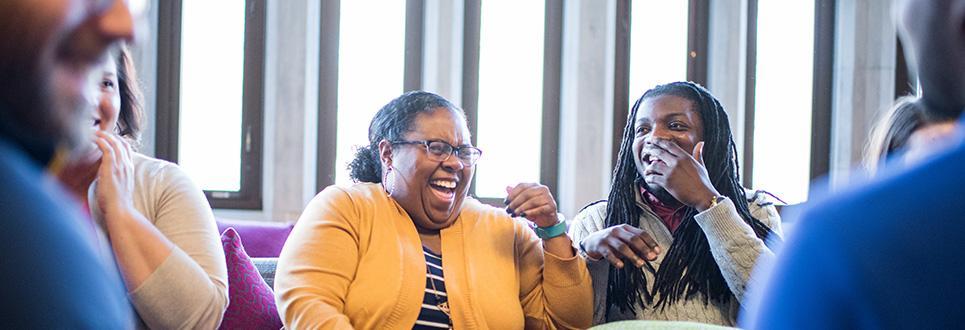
(406, 248)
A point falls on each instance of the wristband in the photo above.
(546, 233)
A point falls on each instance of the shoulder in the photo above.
(590, 219)
(159, 173)
(354, 198)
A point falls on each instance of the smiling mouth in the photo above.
(444, 189)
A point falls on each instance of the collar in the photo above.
(670, 216)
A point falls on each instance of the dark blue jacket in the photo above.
(890, 254)
(51, 277)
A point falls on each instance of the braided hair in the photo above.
(689, 268)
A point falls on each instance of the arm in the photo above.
(196, 263)
(555, 287)
(555, 292)
(733, 243)
(589, 221)
(174, 267)
(318, 263)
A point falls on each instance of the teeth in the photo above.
(444, 183)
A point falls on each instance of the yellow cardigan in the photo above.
(354, 260)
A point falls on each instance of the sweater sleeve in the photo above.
(733, 243)
(588, 221)
(318, 263)
(556, 293)
(190, 288)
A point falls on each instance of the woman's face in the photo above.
(665, 117)
(107, 105)
(422, 186)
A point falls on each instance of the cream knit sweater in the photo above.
(733, 245)
(190, 288)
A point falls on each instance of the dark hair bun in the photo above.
(366, 167)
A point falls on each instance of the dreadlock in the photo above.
(688, 268)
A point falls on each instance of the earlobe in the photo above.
(385, 152)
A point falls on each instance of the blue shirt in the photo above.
(890, 254)
(51, 277)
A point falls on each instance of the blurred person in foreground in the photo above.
(52, 274)
(888, 253)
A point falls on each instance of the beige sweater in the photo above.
(190, 288)
(733, 245)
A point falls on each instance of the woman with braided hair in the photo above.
(678, 236)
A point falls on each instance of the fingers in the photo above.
(545, 211)
(613, 259)
(699, 152)
(645, 236)
(636, 242)
(658, 154)
(107, 151)
(670, 146)
(527, 196)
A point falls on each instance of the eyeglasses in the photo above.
(440, 151)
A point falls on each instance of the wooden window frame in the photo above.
(552, 69)
(327, 137)
(167, 137)
(821, 94)
(698, 31)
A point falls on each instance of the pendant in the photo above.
(444, 307)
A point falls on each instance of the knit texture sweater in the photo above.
(354, 260)
(189, 290)
(733, 245)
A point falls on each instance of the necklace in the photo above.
(443, 304)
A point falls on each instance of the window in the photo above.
(657, 57)
(370, 71)
(362, 66)
(657, 42)
(210, 64)
(511, 92)
(782, 104)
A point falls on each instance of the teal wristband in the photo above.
(546, 233)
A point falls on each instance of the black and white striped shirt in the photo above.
(431, 317)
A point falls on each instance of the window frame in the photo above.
(698, 43)
(552, 70)
(249, 196)
(821, 98)
(327, 137)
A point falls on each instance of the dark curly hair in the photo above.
(391, 123)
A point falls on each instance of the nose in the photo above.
(453, 163)
(658, 134)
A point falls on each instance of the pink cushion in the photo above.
(262, 239)
(252, 302)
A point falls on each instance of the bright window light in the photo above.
(371, 55)
(212, 72)
(658, 44)
(782, 114)
(510, 95)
